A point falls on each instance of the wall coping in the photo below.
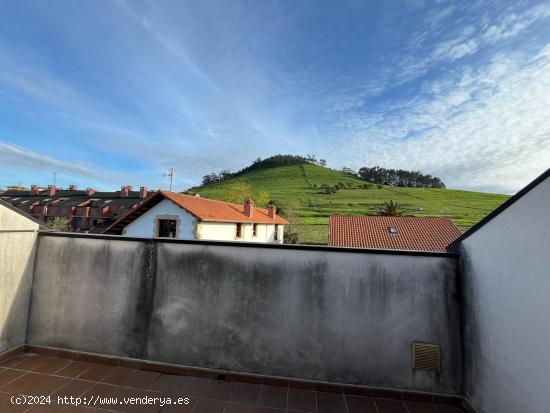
(295, 247)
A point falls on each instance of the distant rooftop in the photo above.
(400, 233)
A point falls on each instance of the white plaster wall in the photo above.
(17, 251)
(144, 225)
(507, 308)
(227, 232)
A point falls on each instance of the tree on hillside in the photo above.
(322, 162)
(62, 224)
(391, 209)
(349, 171)
(400, 177)
(290, 212)
(236, 192)
(261, 199)
(240, 190)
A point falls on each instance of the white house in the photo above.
(171, 215)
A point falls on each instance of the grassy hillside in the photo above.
(299, 187)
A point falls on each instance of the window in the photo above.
(254, 230)
(239, 231)
(276, 234)
(392, 230)
(167, 228)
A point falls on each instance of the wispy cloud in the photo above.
(484, 128)
(127, 91)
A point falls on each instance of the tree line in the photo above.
(259, 163)
(397, 177)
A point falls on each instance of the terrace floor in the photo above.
(109, 388)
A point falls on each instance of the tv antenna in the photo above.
(169, 174)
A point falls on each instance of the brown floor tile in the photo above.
(101, 390)
(273, 396)
(209, 406)
(96, 372)
(48, 386)
(32, 362)
(167, 383)
(441, 408)
(46, 409)
(53, 365)
(75, 369)
(390, 406)
(117, 375)
(79, 409)
(23, 383)
(240, 408)
(74, 388)
(6, 404)
(193, 386)
(245, 393)
(8, 376)
(264, 409)
(330, 403)
(14, 360)
(218, 390)
(417, 407)
(141, 379)
(360, 404)
(303, 400)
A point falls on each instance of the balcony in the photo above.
(239, 327)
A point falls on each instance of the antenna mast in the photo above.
(170, 173)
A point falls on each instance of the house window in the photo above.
(167, 228)
(254, 230)
(392, 230)
(276, 235)
(239, 231)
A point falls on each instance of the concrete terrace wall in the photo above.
(506, 271)
(311, 313)
(17, 248)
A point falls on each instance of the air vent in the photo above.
(426, 357)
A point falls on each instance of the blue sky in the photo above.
(108, 93)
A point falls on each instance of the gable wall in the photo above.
(506, 278)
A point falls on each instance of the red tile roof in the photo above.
(213, 210)
(413, 233)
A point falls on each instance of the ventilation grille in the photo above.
(426, 357)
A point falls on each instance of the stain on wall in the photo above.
(304, 313)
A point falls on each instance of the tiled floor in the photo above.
(38, 375)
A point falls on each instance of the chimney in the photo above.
(249, 208)
(271, 210)
(35, 190)
(143, 192)
(72, 187)
(89, 191)
(125, 191)
(51, 190)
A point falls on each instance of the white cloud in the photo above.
(484, 129)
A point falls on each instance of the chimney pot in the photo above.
(35, 189)
(72, 187)
(90, 191)
(125, 191)
(51, 190)
(143, 192)
(271, 210)
(249, 208)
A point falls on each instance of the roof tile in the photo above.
(413, 233)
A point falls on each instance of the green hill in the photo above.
(297, 190)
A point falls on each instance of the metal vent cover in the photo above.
(426, 357)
